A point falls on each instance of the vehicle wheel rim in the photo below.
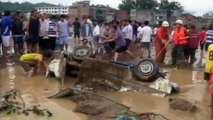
(81, 52)
(146, 67)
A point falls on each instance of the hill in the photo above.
(23, 7)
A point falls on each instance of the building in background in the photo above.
(188, 19)
(153, 16)
(121, 15)
(101, 12)
(57, 10)
(79, 9)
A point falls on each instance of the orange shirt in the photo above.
(162, 34)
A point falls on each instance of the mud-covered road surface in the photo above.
(35, 90)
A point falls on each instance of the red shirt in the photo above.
(162, 34)
(202, 36)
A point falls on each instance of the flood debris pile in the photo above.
(100, 107)
(13, 103)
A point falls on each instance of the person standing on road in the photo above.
(202, 36)
(0, 38)
(52, 33)
(161, 42)
(33, 32)
(209, 37)
(193, 43)
(63, 30)
(43, 39)
(18, 34)
(128, 35)
(135, 30)
(96, 35)
(146, 34)
(6, 27)
(76, 30)
(97, 31)
(87, 32)
(180, 41)
(138, 33)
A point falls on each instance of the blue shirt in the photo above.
(63, 28)
(209, 36)
(6, 25)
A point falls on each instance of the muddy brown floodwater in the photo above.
(35, 90)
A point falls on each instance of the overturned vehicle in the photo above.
(81, 57)
(82, 64)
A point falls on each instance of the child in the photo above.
(34, 60)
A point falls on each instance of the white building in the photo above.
(58, 10)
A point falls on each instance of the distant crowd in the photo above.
(42, 31)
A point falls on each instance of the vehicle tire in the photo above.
(146, 70)
(81, 52)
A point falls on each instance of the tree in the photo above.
(170, 7)
(127, 5)
(146, 4)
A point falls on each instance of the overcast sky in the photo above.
(199, 7)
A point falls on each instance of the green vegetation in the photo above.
(150, 4)
(10, 104)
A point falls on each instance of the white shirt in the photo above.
(43, 28)
(96, 31)
(128, 32)
(155, 30)
(146, 33)
(87, 29)
(139, 30)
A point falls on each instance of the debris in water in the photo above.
(159, 95)
(122, 117)
(54, 68)
(125, 89)
(70, 92)
(166, 86)
(181, 104)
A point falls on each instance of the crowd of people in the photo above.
(40, 32)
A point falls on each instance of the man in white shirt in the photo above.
(96, 35)
(128, 34)
(139, 30)
(146, 36)
(43, 33)
(97, 31)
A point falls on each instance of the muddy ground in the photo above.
(35, 90)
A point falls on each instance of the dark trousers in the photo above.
(47, 44)
(42, 43)
(52, 43)
(177, 53)
(190, 53)
(77, 34)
